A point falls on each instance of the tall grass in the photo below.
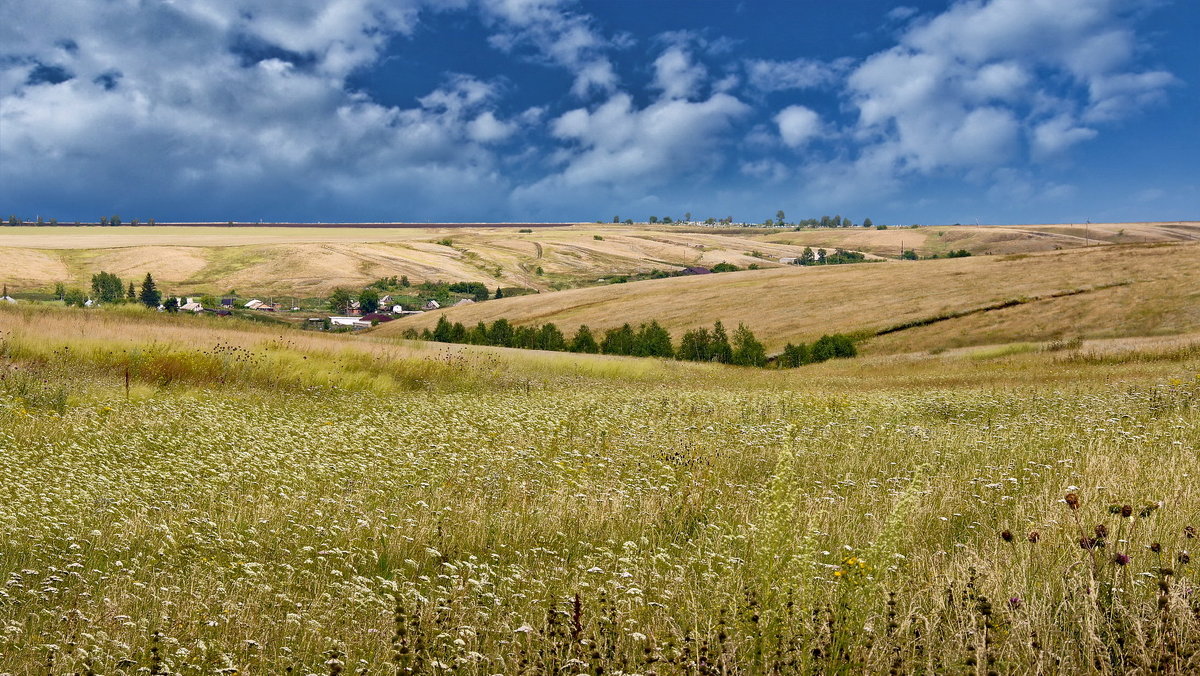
(387, 509)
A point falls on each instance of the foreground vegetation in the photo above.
(188, 499)
(647, 340)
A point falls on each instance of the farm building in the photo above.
(355, 322)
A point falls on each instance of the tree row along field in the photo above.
(313, 261)
(188, 497)
(1106, 291)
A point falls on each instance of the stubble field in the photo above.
(313, 261)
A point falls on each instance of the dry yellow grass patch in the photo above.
(1160, 294)
(312, 261)
(989, 239)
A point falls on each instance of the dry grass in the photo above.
(311, 261)
(316, 504)
(1160, 293)
(991, 239)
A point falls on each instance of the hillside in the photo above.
(989, 239)
(313, 261)
(1127, 290)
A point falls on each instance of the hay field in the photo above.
(991, 239)
(1129, 290)
(313, 261)
(260, 501)
(302, 261)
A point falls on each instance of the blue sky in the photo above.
(921, 112)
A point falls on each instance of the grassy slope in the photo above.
(311, 261)
(998, 239)
(1160, 294)
(260, 499)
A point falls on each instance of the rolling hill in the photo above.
(312, 261)
(1099, 291)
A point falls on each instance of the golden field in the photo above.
(1127, 290)
(313, 261)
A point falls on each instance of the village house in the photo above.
(353, 322)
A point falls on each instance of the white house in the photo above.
(397, 309)
(191, 306)
(355, 322)
(251, 303)
(432, 305)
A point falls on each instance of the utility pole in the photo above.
(1087, 226)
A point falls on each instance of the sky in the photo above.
(976, 111)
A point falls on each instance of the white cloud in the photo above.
(901, 13)
(207, 108)
(1057, 134)
(798, 125)
(963, 88)
(560, 37)
(773, 76)
(1116, 95)
(620, 150)
(766, 170)
(487, 129)
(676, 75)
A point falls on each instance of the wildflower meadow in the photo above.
(174, 504)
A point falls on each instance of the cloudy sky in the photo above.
(923, 112)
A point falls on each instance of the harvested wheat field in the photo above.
(1102, 291)
(313, 261)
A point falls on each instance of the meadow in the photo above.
(191, 497)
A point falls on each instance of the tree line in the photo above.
(780, 220)
(823, 257)
(109, 288)
(369, 298)
(741, 348)
(104, 220)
